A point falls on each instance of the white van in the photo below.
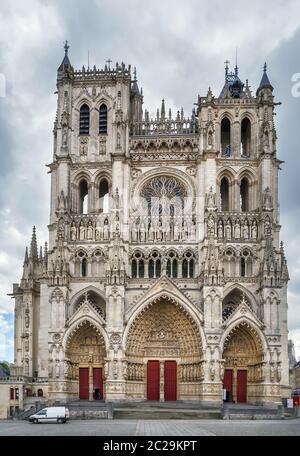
(51, 415)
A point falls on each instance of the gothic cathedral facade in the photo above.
(164, 277)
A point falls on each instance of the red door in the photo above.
(153, 381)
(170, 381)
(83, 383)
(241, 386)
(98, 383)
(227, 384)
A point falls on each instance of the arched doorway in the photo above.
(244, 364)
(164, 354)
(85, 355)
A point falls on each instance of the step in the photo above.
(160, 413)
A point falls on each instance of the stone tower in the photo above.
(164, 277)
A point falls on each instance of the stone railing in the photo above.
(184, 126)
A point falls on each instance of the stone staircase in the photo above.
(152, 410)
(252, 412)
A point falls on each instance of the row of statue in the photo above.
(92, 231)
(163, 229)
(232, 229)
(190, 372)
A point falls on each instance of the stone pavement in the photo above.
(154, 428)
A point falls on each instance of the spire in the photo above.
(33, 245)
(162, 110)
(66, 61)
(236, 69)
(226, 69)
(135, 88)
(265, 83)
(26, 255)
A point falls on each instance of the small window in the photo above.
(12, 394)
(40, 392)
(103, 120)
(84, 124)
(243, 267)
(134, 269)
(83, 268)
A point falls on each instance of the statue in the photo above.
(73, 232)
(254, 230)
(176, 232)
(89, 231)
(105, 230)
(220, 229)
(142, 232)
(237, 230)
(246, 230)
(211, 200)
(81, 232)
(228, 230)
(267, 200)
(151, 233)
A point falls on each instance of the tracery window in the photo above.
(164, 195)
(137, 266)
(103, 120)
(172, 265)
(246, 263)
(188, 265)
(84, 120)
(154, 265)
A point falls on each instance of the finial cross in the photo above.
(66, 46)
(109, 62)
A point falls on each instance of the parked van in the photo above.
(51, 415)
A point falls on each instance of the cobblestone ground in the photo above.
(154, 428)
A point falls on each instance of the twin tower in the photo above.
(164, 277)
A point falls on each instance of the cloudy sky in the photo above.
(179, 49)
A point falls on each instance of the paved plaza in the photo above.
(154, 428)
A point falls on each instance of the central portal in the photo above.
(164, 354)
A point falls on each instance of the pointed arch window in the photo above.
(245, 137)
(224, 190)
(225, 137)
(244, 195)
(103, 196)
(84, 122)
(83, 268)
(103, 119)
(83, 197)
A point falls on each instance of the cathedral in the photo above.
(164, 277)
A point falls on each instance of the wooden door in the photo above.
(170, 376)
(98, 383)
(153, 381)
(227, 384)
(84, 383)
(241, 386)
